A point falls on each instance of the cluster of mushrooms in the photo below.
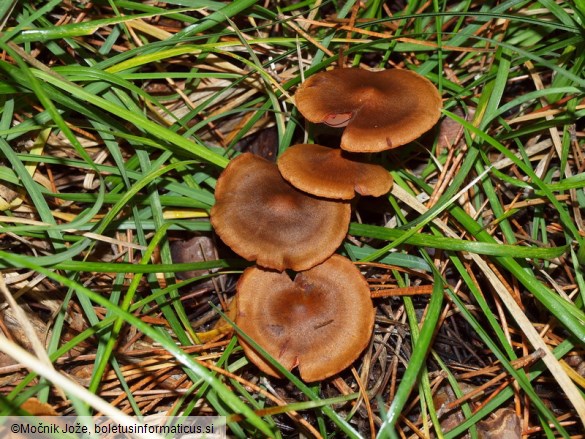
(293, 215)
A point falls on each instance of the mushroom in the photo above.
(265, 219)
(332, 173)
(381, 110)
(320, 322)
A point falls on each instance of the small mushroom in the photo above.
(381, 110)
(193, 249)
(265, 219)
(332, 173)
(320, 322)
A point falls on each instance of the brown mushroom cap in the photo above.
(332, 173)
(319, 322)
(265, 219)
(382, 110)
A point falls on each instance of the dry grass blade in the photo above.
(517, 313)
(66, 384)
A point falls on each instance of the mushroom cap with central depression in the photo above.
(380, 110)
(332, 173)
(265, 219)
(320, 322)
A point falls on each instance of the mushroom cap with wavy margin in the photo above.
(380, 110)
(319, 322)
(332, 173)
(265, 219)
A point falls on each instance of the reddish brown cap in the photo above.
(319, 322)
(382, 110)
(265, 219)
(332, 173)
